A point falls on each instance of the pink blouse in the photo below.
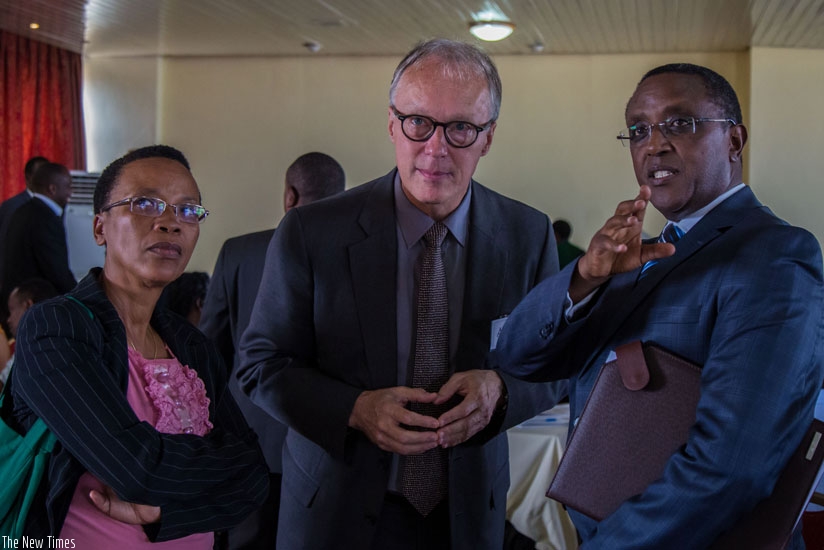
(172, 398)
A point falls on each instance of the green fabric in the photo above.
(567, 252)
(23, 463)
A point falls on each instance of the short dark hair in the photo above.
(718, 88)
(316, 176)
(31, 167)
(36, 290)
(182, 294)
(562, 228)
(458, 59)
(45, 176)
(107, 179)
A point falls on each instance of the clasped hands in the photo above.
(383, 414)
(617, 247)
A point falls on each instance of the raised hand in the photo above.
(617, 248)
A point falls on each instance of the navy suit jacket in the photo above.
(8, 208)
(36, 247)
(71, 369)
(226, 312)
(324, 329)
(742, 296)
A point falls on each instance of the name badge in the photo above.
(497, 327)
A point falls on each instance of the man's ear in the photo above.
(487, 136)
(738, 138)
(97, 230)
(391, 124)
(291, 197)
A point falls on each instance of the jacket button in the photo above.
(546, 330)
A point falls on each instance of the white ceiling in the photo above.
(391, 27)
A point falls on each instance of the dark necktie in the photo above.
(671, 234)
(424, 476)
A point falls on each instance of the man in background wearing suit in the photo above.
(36, 242)
(729, 286)
(11, 205)
(226, 311)
(369, 336)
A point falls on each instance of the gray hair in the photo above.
(459, 60)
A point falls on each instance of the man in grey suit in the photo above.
(36, 242)
(729, 286)
(226, 311)
(333, 346)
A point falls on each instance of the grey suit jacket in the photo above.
(226, 312)
(324, 329)
(743, 297)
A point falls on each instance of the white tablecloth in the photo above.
(535, 449)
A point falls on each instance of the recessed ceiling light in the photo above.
(491, 31)
(34, 26)
(313, 46)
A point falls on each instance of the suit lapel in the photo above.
(486, 267)
(373, 267)
(626, 291)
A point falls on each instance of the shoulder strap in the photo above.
(84, 306)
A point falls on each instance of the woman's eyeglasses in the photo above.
(154, 208)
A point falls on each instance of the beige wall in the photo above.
(242, 121)
(120, 103)
(787, 134)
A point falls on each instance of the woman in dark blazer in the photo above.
(151, 446)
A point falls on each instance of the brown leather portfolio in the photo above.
(624, 436)
(638, 414)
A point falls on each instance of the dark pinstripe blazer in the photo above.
(71, 370)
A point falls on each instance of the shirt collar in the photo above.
(689, 222)
(56, 208)
(413, 223)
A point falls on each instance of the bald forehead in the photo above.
(448, 79)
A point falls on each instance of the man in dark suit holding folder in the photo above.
(728, 286)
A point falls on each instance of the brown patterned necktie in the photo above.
(424, 476)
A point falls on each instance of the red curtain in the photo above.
(41, 108)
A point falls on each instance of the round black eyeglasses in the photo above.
(458, 133)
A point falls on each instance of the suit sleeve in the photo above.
(758, 389)
(534, 342)
(215, 317)
(200, 483)
(278, 367)
(528, 399)
(52, 255)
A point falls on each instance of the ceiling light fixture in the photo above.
(313, 46)
(491, 31)
(34, 26)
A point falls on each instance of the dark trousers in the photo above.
(401, 527)
(259, 531)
